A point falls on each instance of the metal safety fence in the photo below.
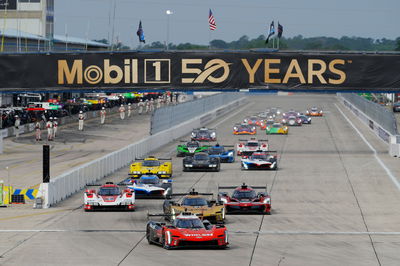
(377, 113)
(169, 116)
(63, 186)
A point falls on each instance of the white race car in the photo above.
(150, 186)
(247, 147)
(109, 196)
(260, 161)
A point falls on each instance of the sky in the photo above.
(234, 18)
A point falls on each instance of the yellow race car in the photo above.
(151, 166)
(196, 203)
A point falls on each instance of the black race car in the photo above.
(204, 134)
(201, 162)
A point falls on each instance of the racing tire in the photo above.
(218, 168)
(267, 213)
(148, 236)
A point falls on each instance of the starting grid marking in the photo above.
(230, 232)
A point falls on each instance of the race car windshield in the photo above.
(276, 125)
(245, 127)
(151, 163)
(148, 181)
(203, 132)
(259, 156)
(216, 150)
(201, 157)
(252, 144)
(314, 109)
(248, 194)
(189, 223)
(269, 122)
(109, 191)
(193, 144)
(194, 202)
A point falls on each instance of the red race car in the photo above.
(186, 230)
(245, 199)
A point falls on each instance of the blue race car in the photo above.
(305, 119)
(150, 186)
(219, 151)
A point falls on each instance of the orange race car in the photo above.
(314, 111)
(244, 129)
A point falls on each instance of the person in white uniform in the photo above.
(122, 112)
(103, 115)
(81, 119)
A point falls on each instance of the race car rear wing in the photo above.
(160, 159)
(253, 139)
(243, 186)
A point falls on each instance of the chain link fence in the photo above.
(169, 116)
(381, 115)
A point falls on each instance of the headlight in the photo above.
(245, 120)
(162, 172)
(224, 201)
(226, 236)
(193, 134)
(136, 172)
(230, 153)
(213, 134)
(267, 200)
(235, 128)
(188, 165)
(168, 233)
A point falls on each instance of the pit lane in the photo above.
(332, 205)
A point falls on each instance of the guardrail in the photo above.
(63, 186)
(170, 116)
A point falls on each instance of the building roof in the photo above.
(13, 33)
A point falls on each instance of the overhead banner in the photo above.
(200, 71)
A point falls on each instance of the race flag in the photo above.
(271, 31)
(280, 30)
(211, 21)
(140, 33)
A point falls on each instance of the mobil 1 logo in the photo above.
(157, 70)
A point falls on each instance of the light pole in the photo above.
(168, 12)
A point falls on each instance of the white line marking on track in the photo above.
(381, 163)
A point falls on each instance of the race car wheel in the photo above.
(148, 236)
(218, 168)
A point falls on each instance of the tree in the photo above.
(398, 44)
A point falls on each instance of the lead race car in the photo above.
(109, 196)
(260, 161)
(315, 111)
(150, 186)
(245, 199)
(191, 148)
(219, 151)
(248, 147)
(186, 230)
(204, 134)
(201, 162)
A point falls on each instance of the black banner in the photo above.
(201, 71)
(8, 4)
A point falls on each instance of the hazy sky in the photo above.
(234, 18)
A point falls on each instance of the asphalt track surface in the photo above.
(333, 204)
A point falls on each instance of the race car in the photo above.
(186, 230)
(151, 165)
(219, 151)
(109, 196)
(150, 186)
(244, 129)
(290, 113)
(204, 134)
(247, 147)
(305, 119)
(252, 120)
(260, 161)
(245, 199)
(265, 123)
(190, 148)
(292, 120)
(201, 162)
(314, 111)
(196, 203)
(277, 128)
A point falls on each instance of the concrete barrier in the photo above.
(63, 186)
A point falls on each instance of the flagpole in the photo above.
(278, 42)
(4, 26)
(209, 39)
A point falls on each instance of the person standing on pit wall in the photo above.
(140, 106)
(38, 132)
(16, 126)
(49, 126)
(81, 119)
(129, 110)
(158, 102)
(103, 115)
(122, 112)
(151, 105)
(55, 127)
(147, 106)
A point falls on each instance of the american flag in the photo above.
(211, 21)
